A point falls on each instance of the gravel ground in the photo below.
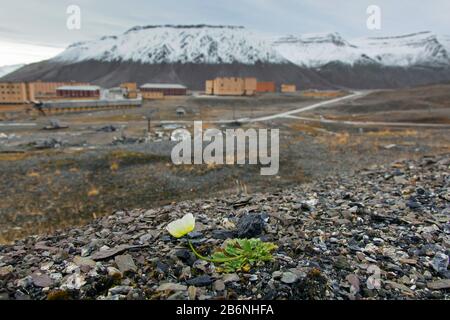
(381, 233)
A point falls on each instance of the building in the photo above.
(162, 90)
(16, 92)
(130, 89)
(209, 87)
(268, 86)
(288, 88)
(231, 86)
(78, 92)
(116, 93)
(47, 90)
(68, 106)
(26, 92)
(152, 95)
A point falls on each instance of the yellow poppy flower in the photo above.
(181, 227)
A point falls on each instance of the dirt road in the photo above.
(372, 123)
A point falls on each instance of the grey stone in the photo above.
(440, 262)
(289, 277)
(125, 263)
(219, 285)
(42, 280)
(83, 261)
(439, 284)
(169, 286)
(230, 277)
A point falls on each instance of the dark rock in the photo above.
(186, 256)
(109, 128)
(195, 234)
(311, 287)
(413, 204)
(222, 234)
(200, 281)
(250, 226)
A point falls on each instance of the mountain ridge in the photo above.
(161, 53)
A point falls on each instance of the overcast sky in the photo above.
(34, 30)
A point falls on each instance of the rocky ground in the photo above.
(382, 233)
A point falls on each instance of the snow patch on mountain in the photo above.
(205, 44)
(316, 50)
(406, 50)
(312, 50)
(177, 44)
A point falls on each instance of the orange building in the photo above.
(231, 86)
(47, 90)
(16, 92)
(288, 88)
(26, 92)
(162, 90)
(209, 87)
(268, 86)
(130, 89)
(152, 95)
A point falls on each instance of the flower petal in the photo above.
(181, 227)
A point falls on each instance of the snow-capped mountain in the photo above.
(4, 70)
(177, 44)
(316, 50)
(191, 54)
(204, 44)
(312, 50)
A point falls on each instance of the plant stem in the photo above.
(213, 260)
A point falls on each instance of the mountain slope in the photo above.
(109, 74)
(10, 68)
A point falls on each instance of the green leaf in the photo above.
(240, 254)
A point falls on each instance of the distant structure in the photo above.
(47, 90)
(151, 91)
(68, 106)
(27, 92)
(265, 87)
(180, 111)
(115, 93)
(78, 92)
(15, 93)
(231, 86)
(288, 88)
(130, 89)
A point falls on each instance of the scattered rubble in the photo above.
(55, 125)
(344, 237)
(109, 128)
(127, 140)
(49, 143)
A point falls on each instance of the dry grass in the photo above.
(14, 156)
(386, 133)
(312, 129)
